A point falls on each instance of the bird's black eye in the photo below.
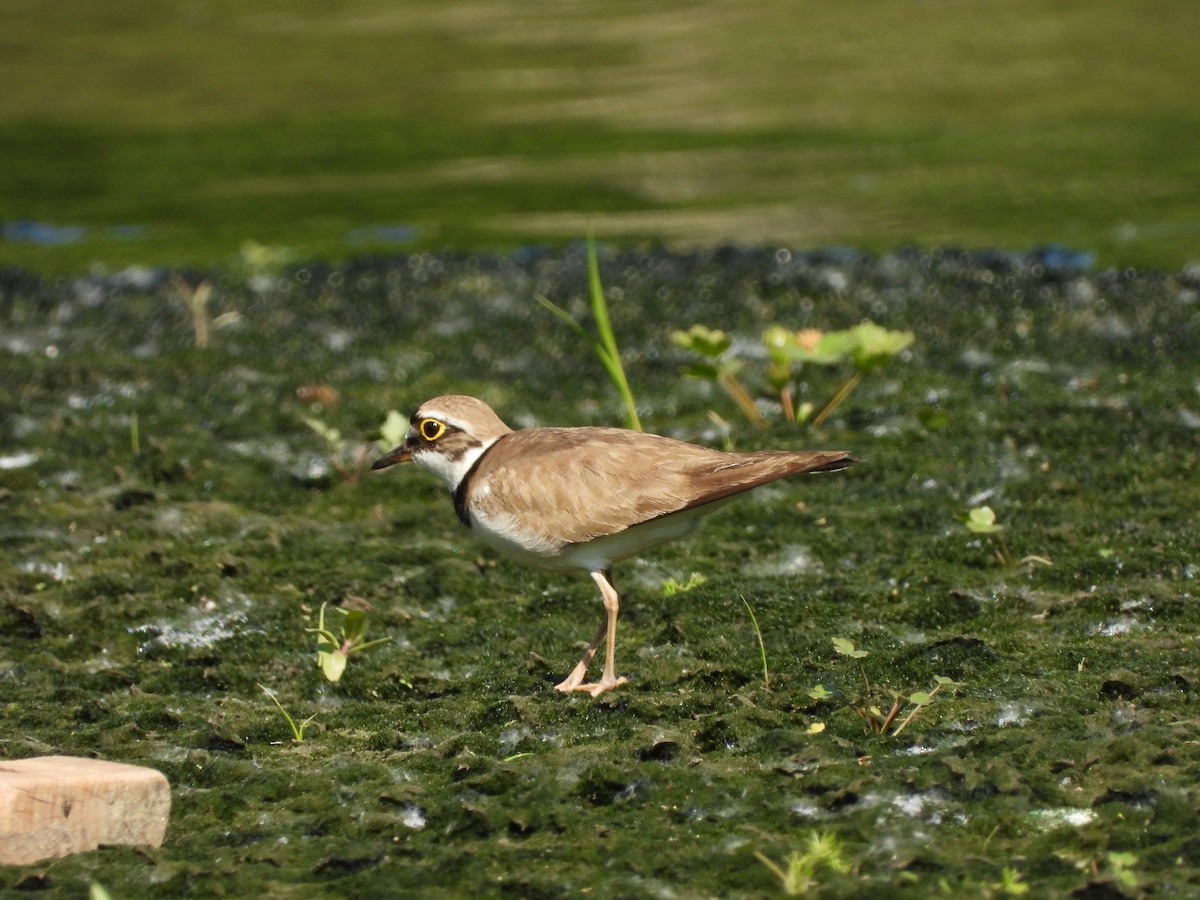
(431, 429)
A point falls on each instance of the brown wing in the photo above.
(584, 483)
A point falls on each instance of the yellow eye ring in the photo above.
(431, 429)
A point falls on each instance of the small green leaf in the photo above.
(846, 647)
(706, 341)
(394, 429)
(702, 371)
(982, 520)
(820, 692)
(354, 629)
(920, 698)
(874, 345)
(333, 665)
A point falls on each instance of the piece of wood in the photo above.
(57, 805)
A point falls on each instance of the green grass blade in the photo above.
(609, 355)
(762, 648)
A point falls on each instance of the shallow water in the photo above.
(171, 526)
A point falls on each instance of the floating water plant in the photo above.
(334, 651)
(605, 345)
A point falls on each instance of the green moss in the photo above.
(145, 595)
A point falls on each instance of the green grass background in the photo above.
(494, 124)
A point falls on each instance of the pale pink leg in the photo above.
(608, 680)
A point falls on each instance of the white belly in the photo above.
(599, 554)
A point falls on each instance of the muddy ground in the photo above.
(170, 527)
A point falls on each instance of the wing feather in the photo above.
(578, 484)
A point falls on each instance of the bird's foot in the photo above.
(595, 688)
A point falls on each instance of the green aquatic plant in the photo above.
(867, 347)
(297, 730)
(716, 365)
(334, 651)
(605, 345)
(799, 873)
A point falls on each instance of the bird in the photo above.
(582, 498)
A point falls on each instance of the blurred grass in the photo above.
(495, 124)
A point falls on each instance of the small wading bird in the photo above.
(582, 498)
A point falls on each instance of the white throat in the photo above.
(451, 469)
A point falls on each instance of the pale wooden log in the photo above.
(57, 805)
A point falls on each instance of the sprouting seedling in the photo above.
(1011, 884)
(921, 699)
(605, 345)
(823, 851)
(715, 365)
(982, 520)
(333, 651)
(673, 586)
(879, 721)
(195, 299)
(297, 730)
(762, 648)
(1121, 864)
(845, 647)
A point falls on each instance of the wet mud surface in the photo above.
(170, 526)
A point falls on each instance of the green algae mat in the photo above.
(844, 684)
